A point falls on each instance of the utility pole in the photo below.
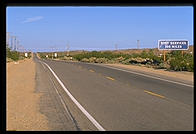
(7, 39)
(138, 44)
(12, 42)
(68, 48)
(52, 47)
(52, 52)
(116, 46)
(164, 57)
(17, 44)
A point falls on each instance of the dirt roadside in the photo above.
(22, 102)
(186, 76)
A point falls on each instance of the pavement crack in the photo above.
(66, 108)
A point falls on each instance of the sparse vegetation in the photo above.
(148, 57)
(15, 56)
(181, 63)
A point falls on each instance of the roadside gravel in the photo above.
(22, 102)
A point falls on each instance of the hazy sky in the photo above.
(98, 28)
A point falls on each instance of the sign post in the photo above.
(26, 55)
(164, 56)
(172, 45)
(55, 55)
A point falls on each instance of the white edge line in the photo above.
(62, 102)
(149, 76)
(99, 127)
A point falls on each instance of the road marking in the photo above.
(147, 75)
(62, 102)
(91, 70)
(99, 127)
(43, 65)
(141, 74)
(110, 78)
(154, 94)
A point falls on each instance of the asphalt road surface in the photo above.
(116, 99)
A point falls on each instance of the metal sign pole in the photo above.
(182, 53)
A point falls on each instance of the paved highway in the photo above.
(119, 100)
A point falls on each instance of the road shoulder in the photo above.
(186, 77)
(22, 108)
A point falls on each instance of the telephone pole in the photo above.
(12, 42)
(138, 44)
(116, 46)
(68, 48)
(52, 51)
(15, 43)
(7, 39)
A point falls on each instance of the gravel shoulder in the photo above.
(22, 102)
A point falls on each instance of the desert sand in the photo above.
(22, 102)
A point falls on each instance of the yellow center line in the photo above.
(154, 94)
(110, 78)
(91, 70)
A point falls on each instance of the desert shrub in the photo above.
(174, 59)
(177, 64)
(163, 66)
(92, 59)
(181, 63)
(107, 54)
(101, 60)
(85, 60)
(190, 66)
(14, 55)
(119, 59)
(126, 61)
(66, 57)
(144, 54)
(134, 55)
(42, 55)
(189, 62)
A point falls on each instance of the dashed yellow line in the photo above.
(110, 78)
(91, 70)
(154, 94)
